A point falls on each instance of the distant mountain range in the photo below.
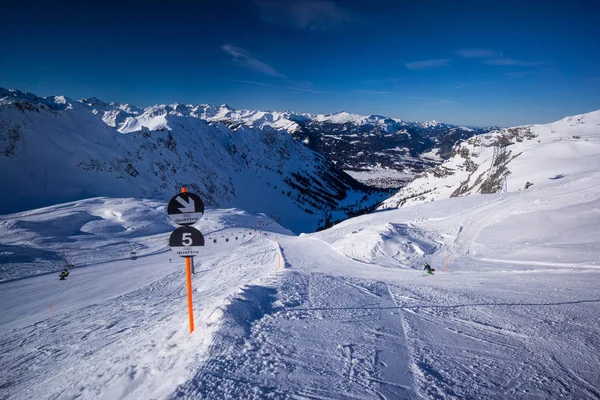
(376, 150)
(54, 150)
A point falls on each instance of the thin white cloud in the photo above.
(380, 81)
(428, 101)
(427, 64)
(510, 76)
(510, 61)
(373, 92)
(307, 15)
(245, 59)
(303, 86)
(515, 75)
(252, 82)
(494, 57)
(300, 86)
(478, 53)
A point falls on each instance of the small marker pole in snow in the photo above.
(447, 259)
(51, 312)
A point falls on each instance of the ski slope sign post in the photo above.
(185, 209)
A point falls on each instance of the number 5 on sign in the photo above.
(186, 241)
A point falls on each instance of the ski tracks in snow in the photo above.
(307, 335)
(463, 345)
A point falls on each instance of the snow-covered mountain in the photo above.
(379, 151)
(55, 149)
(510, 159)
(376, 150)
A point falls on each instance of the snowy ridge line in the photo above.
(279, 251)
(280, 255)
(127, 117)
(240, 311)
(468, 210)
(573, 266)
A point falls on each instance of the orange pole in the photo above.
(447, 259)
(188, 276)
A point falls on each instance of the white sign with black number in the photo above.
(186, 241)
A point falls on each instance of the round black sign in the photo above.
(185, 208)
(186, 241)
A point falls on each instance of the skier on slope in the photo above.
(64, 273)
(427, 268)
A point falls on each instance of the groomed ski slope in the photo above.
(343, 313)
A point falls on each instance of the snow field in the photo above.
(351, 314)
(119, 328)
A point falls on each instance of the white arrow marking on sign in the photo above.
(188, 207)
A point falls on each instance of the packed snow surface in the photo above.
(510, 313)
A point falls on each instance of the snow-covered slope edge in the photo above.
(549, 225)
(54, 150)
(510, 160)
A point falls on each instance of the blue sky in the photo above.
(464, 62)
